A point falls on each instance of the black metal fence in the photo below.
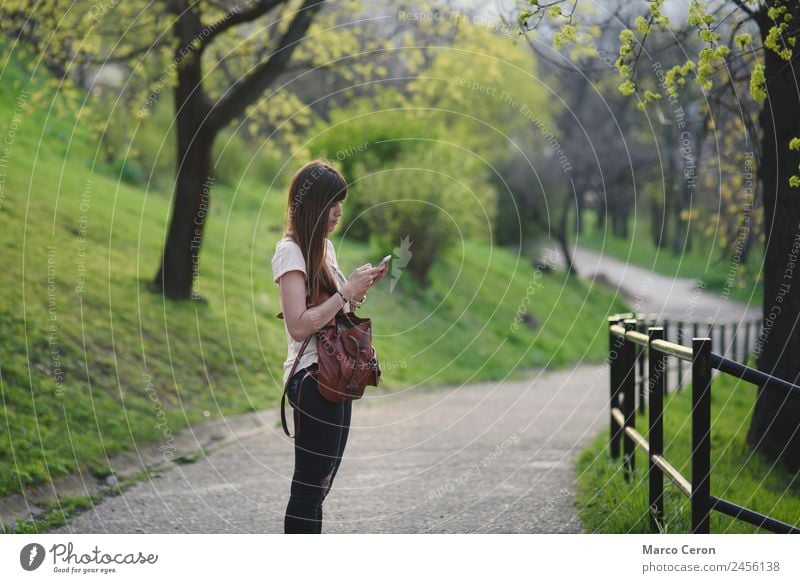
(734, 339)
(629, 345)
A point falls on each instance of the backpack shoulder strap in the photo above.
(286, 386)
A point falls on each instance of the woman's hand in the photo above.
(361, 280)
(382, 271)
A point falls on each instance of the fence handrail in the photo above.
(624, 338)
(676, 350)
(752, 375)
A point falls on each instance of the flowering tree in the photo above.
(758, 37)
(216, 57)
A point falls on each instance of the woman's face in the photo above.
(334, 215)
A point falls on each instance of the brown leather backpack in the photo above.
(346, 360)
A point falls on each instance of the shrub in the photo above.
(432, 196)
(231, 158)
(368, 134)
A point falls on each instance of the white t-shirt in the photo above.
(288, 256)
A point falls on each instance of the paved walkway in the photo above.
(669, 297)
(485, 457)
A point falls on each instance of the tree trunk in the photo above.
(191, 200)
(602, 216)
(775, 424)
(619, 223)
(563, 235)
(569, 264)
(669, 185)
(684, 197)
(191, 204)
(580, 206)
(678, 182)
(657, 226)
(747, 243)
(678, 228)
(198, 123)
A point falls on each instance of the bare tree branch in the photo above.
(238, 15)
(137, 52)
(744, 8)
(248, 89)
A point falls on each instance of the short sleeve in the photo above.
(288, 257)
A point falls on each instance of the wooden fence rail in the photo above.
(629, 345)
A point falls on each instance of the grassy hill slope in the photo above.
(92, 363)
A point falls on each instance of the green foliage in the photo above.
(269, 167)
(479, 93)
(143, 152)
(743, 40)
(713, 59)
(368, 135)
(565, 36)
(154, 147)
(139, 150)
(776, 39)
(486, 95)
(758, 83)
(231, 157)
(126, 170)
(435, 194)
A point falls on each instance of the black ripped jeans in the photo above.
(321, 428)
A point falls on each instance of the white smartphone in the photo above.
(384, 260)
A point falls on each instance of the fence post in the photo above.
(665, 326)
(722, 350)
(701, 435)
(657, 362)
(628, 399)
(680, 362)
(734, 333)
(640, 356)
(746, 340)
(615, 381)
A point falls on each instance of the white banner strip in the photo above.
(394, 557)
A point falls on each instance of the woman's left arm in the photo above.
(353, 306)
(380, 276)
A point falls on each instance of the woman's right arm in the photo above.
(302, 321)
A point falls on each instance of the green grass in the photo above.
(136, 368)
(704, 261)
(608, 504)
(56, 515)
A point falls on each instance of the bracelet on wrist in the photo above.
(353, 302)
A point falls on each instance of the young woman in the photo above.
(303, 266)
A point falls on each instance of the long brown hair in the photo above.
(315, 187)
